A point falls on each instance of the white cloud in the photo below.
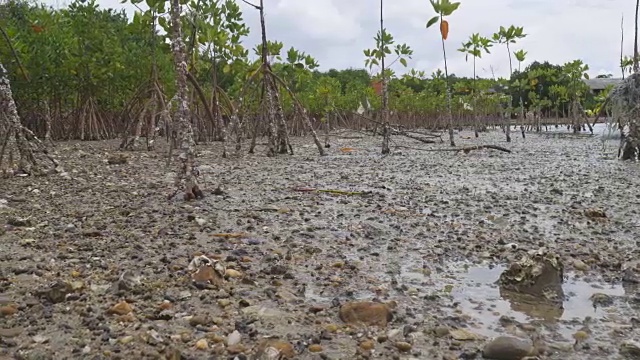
(336, 31)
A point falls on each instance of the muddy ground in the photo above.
(95, 261)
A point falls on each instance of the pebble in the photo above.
(234, 338)
(367, 345)
(126, 339)
(8, 310)
(231, 273)
(403, 346)
(315, 348)
(463, 335)
(331, 328)
(235, 349)
(202, 344)
(507, 348)
(12, 332)
(198, 320)
(121, 308)
(630, 349)
(366, 312)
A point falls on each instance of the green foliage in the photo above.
(475, 46)
(442, 8)
(626, 64)
(509, 35)
(77, 53)
(385, 45)
(574, 72)
(83, 51)
(520, 55)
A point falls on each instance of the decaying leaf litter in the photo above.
(351, 255)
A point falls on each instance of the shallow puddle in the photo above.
(475, 293)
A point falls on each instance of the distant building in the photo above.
(597, 85)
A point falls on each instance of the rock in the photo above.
(10, 333)
(128, 281)
(580, 265)
(8, 310)
(595, 213)
(464, 335)
(403, 346)
(235, 349)
(601, 300)
(315, 348)
(56, 292)
(366, 312)
(198, 320)
(367, 345)
(207, 275)
(631, 272)
(441, 331)
(223, 303)
(121, 308)
(202, 344)
(261, 311)
(332, 328)
(125, 339)
(539, 275)
(507, 348)
(117, 159)
(630, 349)
(234, 338)
(231, 273)
(275, 349)
(40, 339)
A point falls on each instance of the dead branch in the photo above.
(466, 149)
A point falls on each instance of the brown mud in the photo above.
(94, 261)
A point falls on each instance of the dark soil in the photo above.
(428, 230)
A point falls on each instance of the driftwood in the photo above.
(466, 149)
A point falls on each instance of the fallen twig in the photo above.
(331, 191)
(466, 150)
(230, 235)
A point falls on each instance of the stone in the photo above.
(366, 313)
(367, 345)
(234, 338)
(11, 332)
(202, 344)
(630, 349)
(231, 273)
(403, 346)
(315, 348)
(539, 275)
(121, 308)
(507, 348)
(275, 349)
(464, 335)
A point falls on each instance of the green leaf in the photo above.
(403, 61)
(432, 21)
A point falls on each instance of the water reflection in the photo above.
(476, 293)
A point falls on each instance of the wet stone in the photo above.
(366, 312)
(507, 348)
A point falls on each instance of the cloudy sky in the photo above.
(335, 32)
